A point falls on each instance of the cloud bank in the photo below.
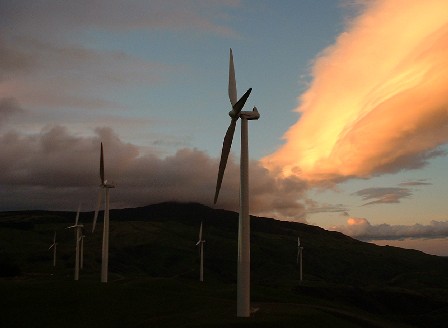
(361, 228)
(56, 169)
(377, 102)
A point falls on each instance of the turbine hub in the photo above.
(233, 114)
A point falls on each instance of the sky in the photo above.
(352, 96)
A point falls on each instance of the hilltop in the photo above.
(357, 282)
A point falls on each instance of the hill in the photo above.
(346, 281)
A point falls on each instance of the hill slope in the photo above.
(158, 242)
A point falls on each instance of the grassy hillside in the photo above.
(154, 268)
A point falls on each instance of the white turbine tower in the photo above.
(299, 257)
(78, 231)
(200, 243)
(54, 245)
(104, 187)
(243, 279)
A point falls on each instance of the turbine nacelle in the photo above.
(250, 115)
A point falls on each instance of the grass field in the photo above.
(163, 302)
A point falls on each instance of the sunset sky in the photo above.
(353, 97)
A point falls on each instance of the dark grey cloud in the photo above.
(70, 75)
(45, 48)
(56, 170)
(8, 108)
(42, 16)
(388, 195)
(315, 207)
(13, 60)
(421, 182)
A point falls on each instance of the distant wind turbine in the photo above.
(299, 257)
(78, 231)
(54, 245)
(200, 243)
(81, 254)
(243, 279)
(104, 187)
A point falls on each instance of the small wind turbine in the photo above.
(243, 279)
(200, 243)
(81, 254)
(78, 232)
(105, 250)
(299, 257)
(54, 245)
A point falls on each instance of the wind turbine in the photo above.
(105, 250)
(81, 252)
(299, 256)
(200, 243)
(54, 245)
(243, 275)
(78, 232)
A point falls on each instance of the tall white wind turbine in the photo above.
(299, 258)
(243, 279)
(54, 245)
(78, 231)
(200, 243)
(104, 187)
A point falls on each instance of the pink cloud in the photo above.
(377, 103)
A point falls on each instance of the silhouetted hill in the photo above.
(328, 256)
(159, 240)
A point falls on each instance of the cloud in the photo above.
(29, 18)
(421, 182)
(12, 61)
(56, 55)
(361, 228)
(55, 169)
(377, 102)
(383, 195)
(8, 108)
(70, 75)
(315, 207)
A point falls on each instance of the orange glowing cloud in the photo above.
(378, 101)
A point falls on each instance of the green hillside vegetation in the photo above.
(154, 271)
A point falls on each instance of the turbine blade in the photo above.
(77, 215)
(54, 238)
(95, 217)
(200, 232)
(51, 246)
(240, 103)
(226, 145)
(232, 82)
(102, 165)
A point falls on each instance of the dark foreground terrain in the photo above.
(154, 268)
